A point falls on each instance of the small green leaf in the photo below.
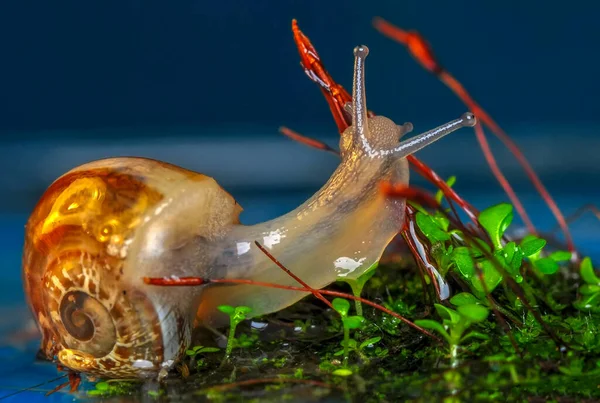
(209, 350)
(532, 245)
(447, 313)
(102, 386)
(433, 325)
(439, 195)
(587, 272)
(342, 306)
(589, 302)
(442, 221)
(463, 260)
(588, 289)
(495, 220)
(463, 298)
(474, 335)
(342, 372)
(229, 310)
(430, 228)
(546, 265)
(473, 312)
(369, 342)
(353, 322)
(491, 277)
(243, 309)
(560, 256)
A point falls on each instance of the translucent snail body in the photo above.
(104, 226)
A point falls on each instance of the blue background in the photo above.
(206, 85)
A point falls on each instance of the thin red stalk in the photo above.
(319, 145)
(462, 93)
(409, 192)
(422, 52)
(419, 250)
(337, 97)
(314, 291)
(196, 281)
(491, 160)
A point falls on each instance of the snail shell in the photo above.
(95, 233)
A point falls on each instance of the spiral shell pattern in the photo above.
(92, 317)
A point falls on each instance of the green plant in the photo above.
(472, 260)
(590, 290)
(358, 284)
(342, 306)
(111, 388)
(195, 351)
(456, 322)
(236, 316)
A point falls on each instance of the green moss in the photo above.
(375, 357)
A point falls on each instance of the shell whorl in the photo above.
(82, 273)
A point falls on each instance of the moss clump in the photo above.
(521, 325)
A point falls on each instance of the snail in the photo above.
(103, 226)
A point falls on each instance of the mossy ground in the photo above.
(294, 355)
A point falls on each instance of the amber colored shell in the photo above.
(74, 257)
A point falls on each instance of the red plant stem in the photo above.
(319, 145)
(409, 192)
(450, 193)
(337, 97)
(195, 281)
(422, 52)
(491, 160)
(418, 250)
(314, 291)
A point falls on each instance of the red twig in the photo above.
(314, 291)
(319, 145)
(420, 49)
(337, 97)
(195, 281)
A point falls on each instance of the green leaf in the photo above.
(342, 306)
(433, 325)
(473, 312)
(495, 220)
(588, 289)
(589, 302)
(513, 256)
(229, 310)
(430, 228)
(447, 313)
(560, 256)
(439, 195)
(463, 260)
(353, 322)
(546, 265)
(463, 298)
(442, 221)
(243, 309)
(102, 386)
(474, 335)
(209, 350)
(491, 277)
(532, 245)
(587, 272)
(342, 372)
(369, 342)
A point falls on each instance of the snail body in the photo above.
(102, 227)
